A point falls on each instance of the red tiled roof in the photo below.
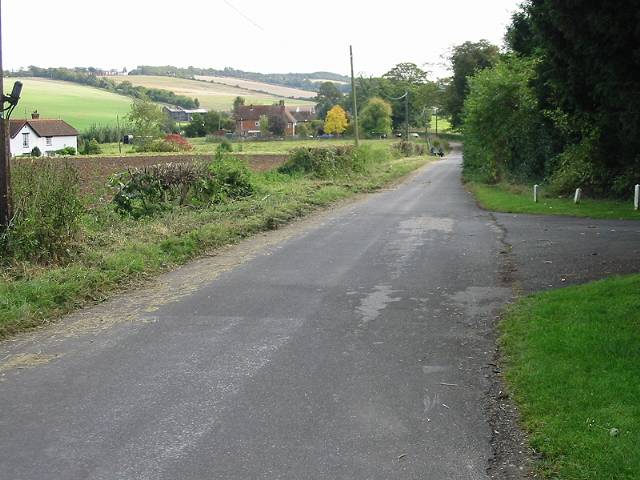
(43, 127)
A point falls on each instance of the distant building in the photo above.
(180, 114)
(47, 135)
(303, 113)
(247, 118)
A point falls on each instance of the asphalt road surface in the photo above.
(357, 345)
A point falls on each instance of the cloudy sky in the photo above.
(256, 35)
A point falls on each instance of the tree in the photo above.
(277, 125)
(466, 59)
(407, 73)
(237, 103)
(303, 129)
(336, 121)
(146, 120)
(375, 117)
(328, 96)
(264, 125)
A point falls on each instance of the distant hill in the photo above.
(303, 81)
(212, 96)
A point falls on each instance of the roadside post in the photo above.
(535, 193)
(636, 198)
(577, 196)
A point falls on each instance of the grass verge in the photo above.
(572, 361)
(116, 252)
(519, 199)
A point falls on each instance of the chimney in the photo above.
(35, 115)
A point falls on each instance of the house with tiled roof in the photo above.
(46, 134)
(303, 113)
(247, 118)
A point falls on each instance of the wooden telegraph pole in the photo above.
(5, 188)
(355, 103)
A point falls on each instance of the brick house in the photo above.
(247, 118)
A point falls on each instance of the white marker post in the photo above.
(636, 198)
(577, 196)
(535, 193)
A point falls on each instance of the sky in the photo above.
(253, 35)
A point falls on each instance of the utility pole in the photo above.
(406, 115)
(355, 103)
(5, 187)
(436, 121)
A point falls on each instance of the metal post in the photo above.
(5, 168)
(355, 103)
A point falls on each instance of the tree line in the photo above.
(88, 76)
(561, 104)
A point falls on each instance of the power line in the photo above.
(246, 17)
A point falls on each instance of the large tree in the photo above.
(327, 97)
(146, 120)
(466, 59)
(336, 121)
(375, 118)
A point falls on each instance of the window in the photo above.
(25, 140)
(47, 141)
(257, 124)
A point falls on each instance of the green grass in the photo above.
(78, 105)
(572, 359)
(115, 252)
(519, 199)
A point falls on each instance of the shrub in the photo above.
(178, 142)
(408, 149)
(323, 162)
(66, 151)
(47, 210)
(35, 152)
(229, 178)
(225, 146)
(147, 191)
(144, 191)
(92, 147)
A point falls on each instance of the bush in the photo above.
(178, 142)
(147, 191)
(67, 151)
(92, 148)
(408, 149)
(47, 210)
(225, 146)
(575, 168)
(35, 152)
(229, 178)
(323, 162)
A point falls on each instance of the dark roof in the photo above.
(304, 115)
(254, 112)
(43, 127)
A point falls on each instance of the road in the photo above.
(356, 345)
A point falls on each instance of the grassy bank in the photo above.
(572, 358)
(115, 251)
(519, 199)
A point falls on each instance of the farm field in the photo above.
(79, 105)
(278, 90)
(212, 96)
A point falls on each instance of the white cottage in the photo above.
(47, 135)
